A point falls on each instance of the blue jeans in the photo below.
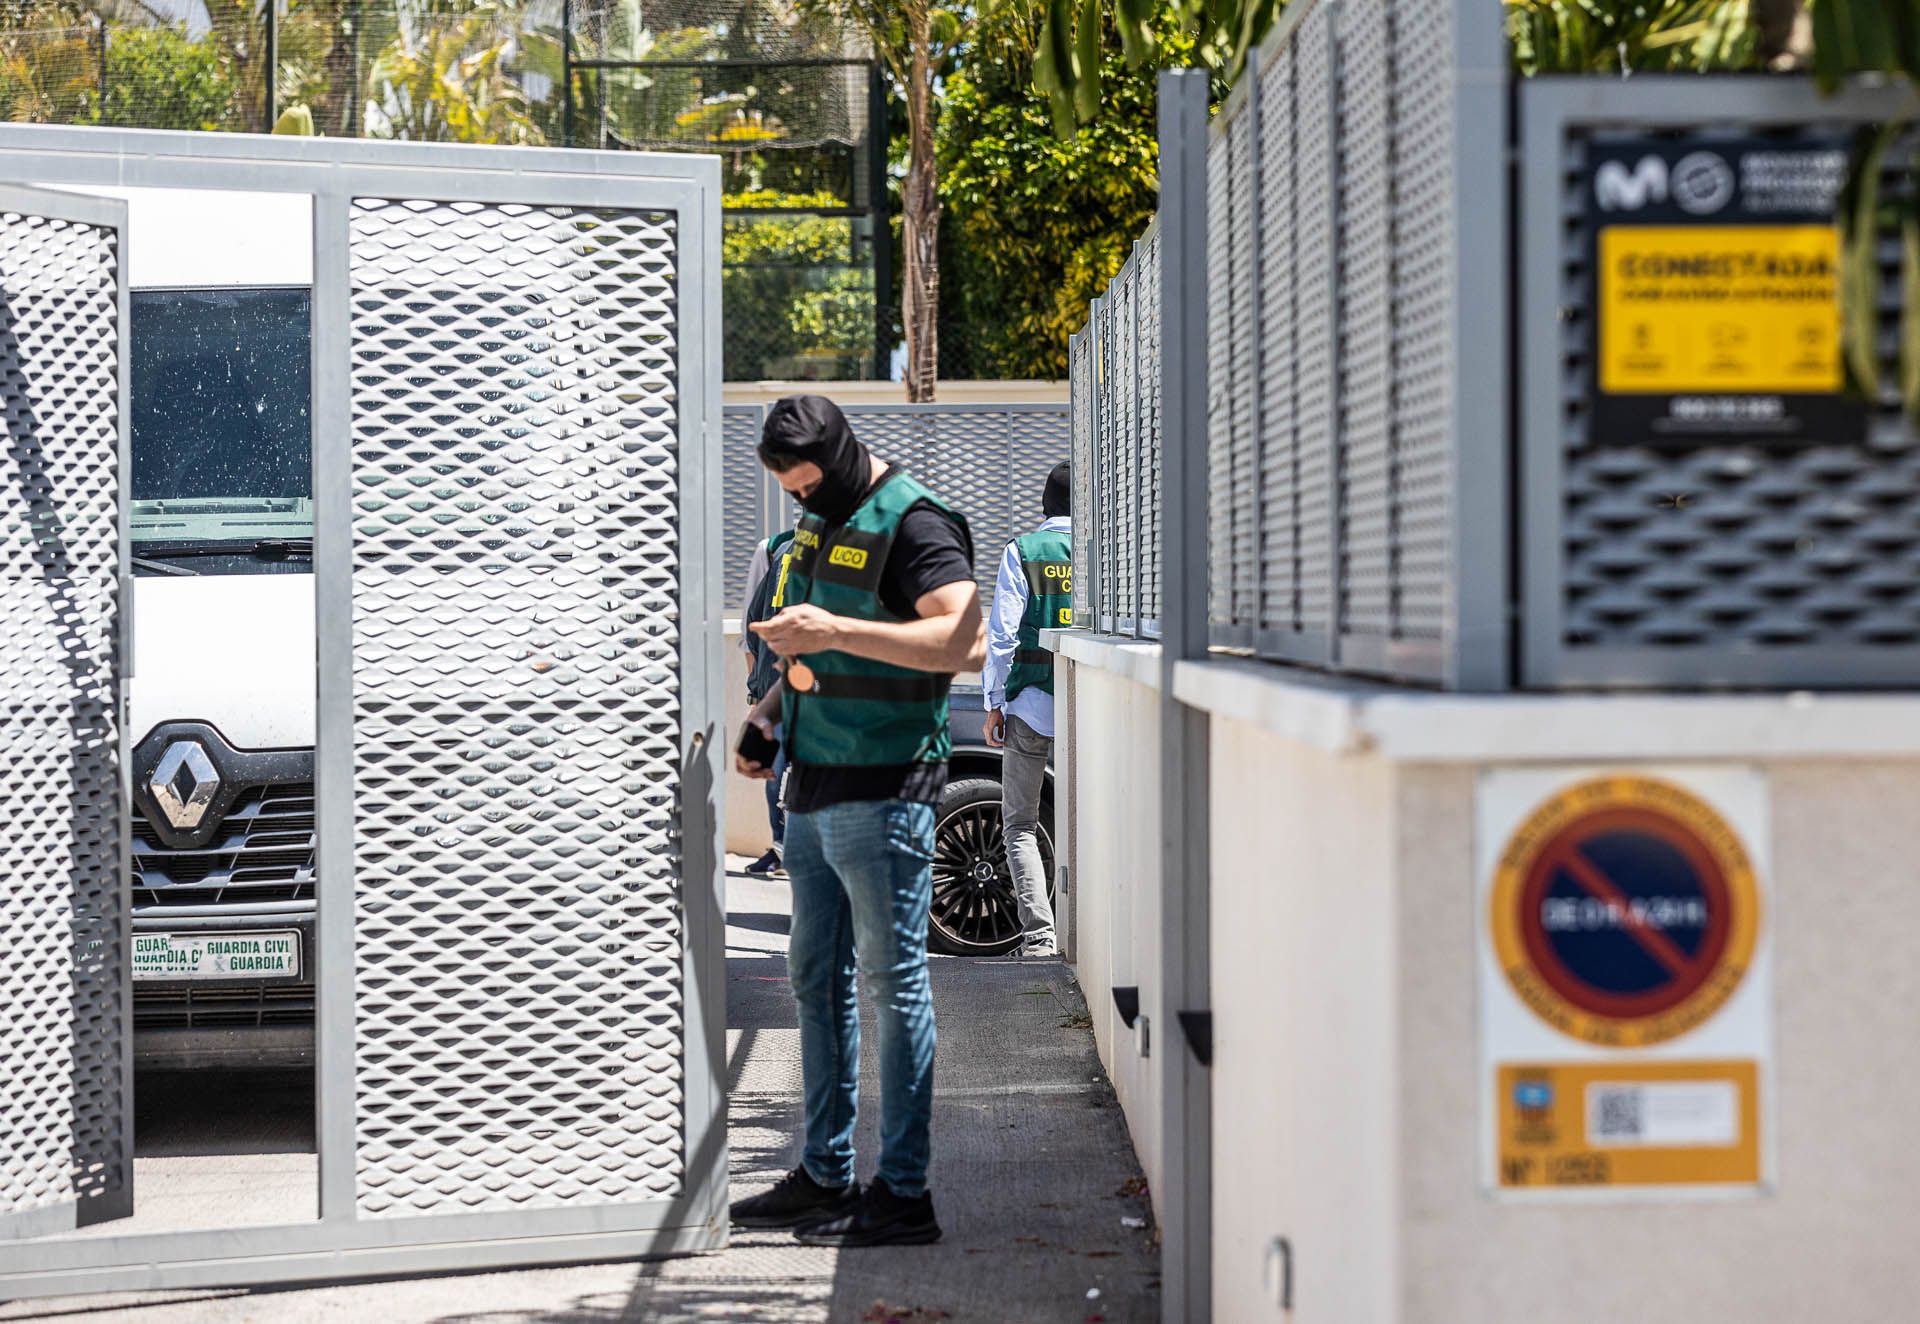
(862, 878)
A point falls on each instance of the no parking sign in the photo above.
(1625, 991)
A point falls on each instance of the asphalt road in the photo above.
(1033, 1175)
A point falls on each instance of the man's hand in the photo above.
(996, 729)
(744, 766)
(799, 630)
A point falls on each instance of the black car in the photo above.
(974, 912)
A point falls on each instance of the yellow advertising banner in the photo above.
(1725, 308)
(1564, 1125)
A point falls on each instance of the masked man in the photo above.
(881, 610)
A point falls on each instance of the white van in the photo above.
(222, 698)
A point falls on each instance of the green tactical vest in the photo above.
(1047, 559)
(862, 713)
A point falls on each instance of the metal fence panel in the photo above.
(1150, 441)
(65, 1127)
(1424, 352)
(1366, 476)
(743, 499)
(1340, 437)
(1082, 422)
(1220, 438)
(1316, 303)
(1277, 379)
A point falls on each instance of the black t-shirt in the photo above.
(929, 551)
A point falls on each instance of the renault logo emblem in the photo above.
(184, 783)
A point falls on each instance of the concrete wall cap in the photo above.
(1343, 715)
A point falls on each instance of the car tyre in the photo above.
(974, 912)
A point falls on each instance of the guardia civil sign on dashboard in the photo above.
(1715, 294)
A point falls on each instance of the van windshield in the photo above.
(222, 470)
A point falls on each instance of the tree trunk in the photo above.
(920, 221)
(335, 115)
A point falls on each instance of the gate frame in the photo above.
(339, 1243)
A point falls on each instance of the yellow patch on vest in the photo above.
(854, 558)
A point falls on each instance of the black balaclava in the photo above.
(1058, 498)
(811, 428)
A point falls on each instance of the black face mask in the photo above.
(812, 429)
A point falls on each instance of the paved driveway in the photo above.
(1030, 1156)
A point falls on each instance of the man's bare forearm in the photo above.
(945, 644)
(769, 705)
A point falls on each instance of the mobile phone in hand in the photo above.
(756, 746)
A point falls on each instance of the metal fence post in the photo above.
(1183, 897)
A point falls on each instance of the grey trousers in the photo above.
(1023, 772)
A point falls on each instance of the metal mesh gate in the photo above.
(516, 583)
(63, 921)
(518, 969)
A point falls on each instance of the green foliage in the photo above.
(1874, 37)
(797, 303)
(1071, 71)
(1621, 36)
(1864, 36)
(447, 77)
(49, 67)
(1037, 224)
(159, 78)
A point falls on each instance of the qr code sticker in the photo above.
(1619, 1113)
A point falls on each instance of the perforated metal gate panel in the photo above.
(518, 927)
(744, 514)
(1781, 562)
(65, 1133)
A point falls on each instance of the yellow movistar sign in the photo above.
(1725, 308)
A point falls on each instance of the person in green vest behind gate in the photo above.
(881, 611)
(1034, 593)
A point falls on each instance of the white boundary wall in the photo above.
(1345, 1090)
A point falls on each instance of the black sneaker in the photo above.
(766, 866)
(795, 1199)
(880, 1219)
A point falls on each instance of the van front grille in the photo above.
(262, 851)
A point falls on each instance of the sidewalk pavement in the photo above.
(1031, 1157)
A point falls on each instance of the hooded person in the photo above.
(881, 610)
(811, 430)
(1034, 592)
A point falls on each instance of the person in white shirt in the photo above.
(1034, 592)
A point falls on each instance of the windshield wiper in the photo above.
(160, 567)
(267, 549)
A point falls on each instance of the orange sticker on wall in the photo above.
(1567, 1125)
